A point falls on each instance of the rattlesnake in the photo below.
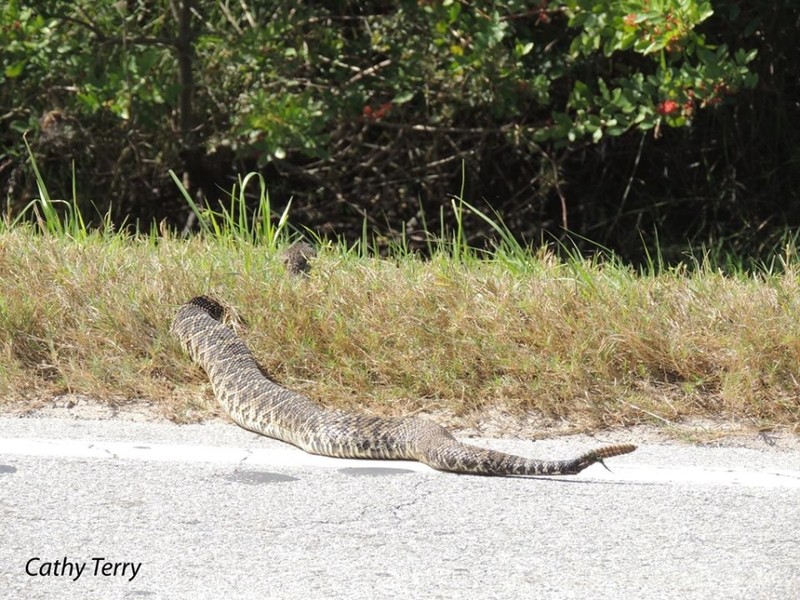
(258, 404)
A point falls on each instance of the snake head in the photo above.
(208, 304)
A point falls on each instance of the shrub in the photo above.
(357, 108)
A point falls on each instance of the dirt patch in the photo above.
(494, 423)
(80, 407)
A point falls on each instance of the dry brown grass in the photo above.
(592, 344)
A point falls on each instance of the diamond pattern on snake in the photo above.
(259, 404)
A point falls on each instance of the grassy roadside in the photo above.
(590, 342)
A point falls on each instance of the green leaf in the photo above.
(523, 49)
(403, 97)
(15, 69)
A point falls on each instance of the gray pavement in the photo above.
(154, 510)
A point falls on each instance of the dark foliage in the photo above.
(374, 112)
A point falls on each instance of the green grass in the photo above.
(539, 332)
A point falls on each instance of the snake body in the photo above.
(256, 403)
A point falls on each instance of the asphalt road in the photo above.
(110, 509)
